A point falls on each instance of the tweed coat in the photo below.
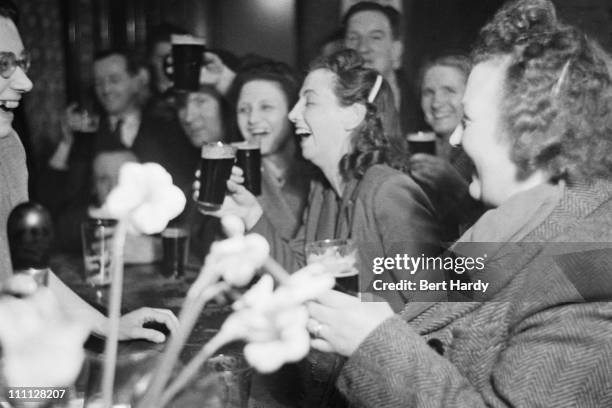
(385, 213)
(542, 338)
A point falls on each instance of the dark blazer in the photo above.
(286, 204)
(385, 213)
(69, 192)
(160, 139)
(541, 338)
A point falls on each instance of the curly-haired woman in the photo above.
(538, 126)
(340, 115)
(342, 110)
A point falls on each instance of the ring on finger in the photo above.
(316, 330)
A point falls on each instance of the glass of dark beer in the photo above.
(248, 158)
(216, 164)
(187, 61)
(175, 244)
(422, 142)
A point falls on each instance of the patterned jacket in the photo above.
(542, 336)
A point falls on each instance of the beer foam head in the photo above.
(246, 145)
(422, 137)
(218, 151)
(174, 233)
(186, 39)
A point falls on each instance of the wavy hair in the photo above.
(557, 105)
(377, 139)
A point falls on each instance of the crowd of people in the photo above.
(522, 175)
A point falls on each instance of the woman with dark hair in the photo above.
(537, 125)
(340, 115)
(265, 93)
(347, 122)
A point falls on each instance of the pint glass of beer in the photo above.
(216, 164)
(248, 158)
(422, 142)
(187, 61)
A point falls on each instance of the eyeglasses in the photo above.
(9, 63)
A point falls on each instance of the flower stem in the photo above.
(110, 347)
(187, 318)
(191, 369)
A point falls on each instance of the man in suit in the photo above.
(14, 83)
(127, 122)
(375, 32)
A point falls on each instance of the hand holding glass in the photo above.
(339, 257)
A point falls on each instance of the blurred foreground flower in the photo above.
(146, 196)
(41, 346)
(271, 322)
(144, 201)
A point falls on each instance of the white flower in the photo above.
(273, 322)
(146, 196)
(237, 259)
(41, 346)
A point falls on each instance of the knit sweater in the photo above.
(14, 190)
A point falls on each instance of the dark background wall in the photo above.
(64, 34)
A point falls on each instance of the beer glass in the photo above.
(216, 164)
(175, 244)
(97, 235)
(339, 258)
(422, 142)
(248, 158)
(187, 61)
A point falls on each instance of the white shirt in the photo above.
(129, 127)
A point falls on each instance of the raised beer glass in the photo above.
(248, 158)
(187, 61)
(216, 164)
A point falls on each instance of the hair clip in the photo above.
(557, 88)
(375, 88)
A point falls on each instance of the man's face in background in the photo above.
(117, 89)
(370, 33)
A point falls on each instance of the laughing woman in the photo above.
(537, 125)
(266, 92)
(342, 110)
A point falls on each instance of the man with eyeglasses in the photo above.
(14, 83)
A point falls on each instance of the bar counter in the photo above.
(145, 286)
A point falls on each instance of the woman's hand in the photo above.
(70, 122)
(240, 202)
(340, 322)
(215, 73)
(131, 324)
